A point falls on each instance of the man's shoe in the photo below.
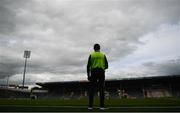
(103, 108)
(90, 108)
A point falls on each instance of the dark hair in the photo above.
(96, 47)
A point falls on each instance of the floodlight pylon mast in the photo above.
(26, 55)
(24, 72)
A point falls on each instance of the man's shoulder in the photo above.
(96, 52)
(103, 53)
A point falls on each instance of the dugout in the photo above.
(158, 86)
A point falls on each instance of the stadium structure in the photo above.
(147, 87)
(16, 91)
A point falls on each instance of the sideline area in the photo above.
(80, 105)
(23, 108)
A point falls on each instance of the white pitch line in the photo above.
(94, 107)
(148, 107)
(43, 106)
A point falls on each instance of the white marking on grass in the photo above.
(117, 107)
(146, 107)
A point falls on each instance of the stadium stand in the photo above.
(158, 86)
(147, 87)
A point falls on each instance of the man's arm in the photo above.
(88, 66)
(106, 63)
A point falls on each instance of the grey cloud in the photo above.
(61, 34)
(9, 66)
(170, 67)
(8, 15)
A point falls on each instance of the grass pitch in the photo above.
(80, 105)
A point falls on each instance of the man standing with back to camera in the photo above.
(97, 63)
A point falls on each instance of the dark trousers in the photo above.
(97, 82)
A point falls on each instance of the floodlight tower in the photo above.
(26, 56)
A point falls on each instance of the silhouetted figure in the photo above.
(97, 63)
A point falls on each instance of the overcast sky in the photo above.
(139, 37)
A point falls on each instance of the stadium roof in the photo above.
(15, 90)
(85, 82)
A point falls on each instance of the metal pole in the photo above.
(24, 72)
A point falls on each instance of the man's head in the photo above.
(96, 47)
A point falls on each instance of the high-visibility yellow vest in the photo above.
(97, 60)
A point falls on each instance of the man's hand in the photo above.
(89, 76)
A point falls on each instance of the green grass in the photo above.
(84, 102)
(58, 104)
